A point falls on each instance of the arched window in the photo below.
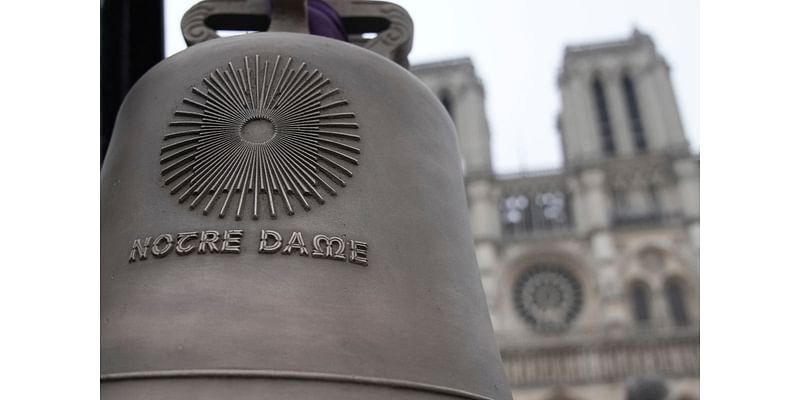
(640, 303)
(675, 293)
(603, 118)
(633, 113)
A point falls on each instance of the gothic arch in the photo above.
(634, 268)
(668, 267)
(674, 264)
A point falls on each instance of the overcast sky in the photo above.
(517, 47)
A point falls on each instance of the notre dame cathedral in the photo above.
(591, 272)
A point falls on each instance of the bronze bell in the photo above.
(283, 217)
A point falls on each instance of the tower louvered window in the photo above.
(634, 116)
(603, 118)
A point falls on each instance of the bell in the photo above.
(284, 217)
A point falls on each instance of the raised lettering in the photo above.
(163, 251)
(140, 249)
(296, 243)
(265, 247)
(180, 247)
(208, 239)
(358, 252)
(231, 241)
(328, 250)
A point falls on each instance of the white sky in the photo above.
(517, 48)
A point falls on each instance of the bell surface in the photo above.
(283, 216)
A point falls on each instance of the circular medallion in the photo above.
(548, 297)
(263, 134)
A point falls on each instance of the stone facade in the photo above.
(591, 271)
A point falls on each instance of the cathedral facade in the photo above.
(591, 271)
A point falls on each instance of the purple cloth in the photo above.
(323, 20)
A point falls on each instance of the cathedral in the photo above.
(591, 271)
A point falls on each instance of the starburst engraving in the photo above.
(273, 131)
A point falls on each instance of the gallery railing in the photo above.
(664, 356)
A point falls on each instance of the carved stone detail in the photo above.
(548, 297)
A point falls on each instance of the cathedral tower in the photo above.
(617, 101)
(591, 271)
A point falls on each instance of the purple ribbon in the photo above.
(323, 20)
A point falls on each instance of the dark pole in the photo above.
(131, 41)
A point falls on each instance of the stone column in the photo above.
(676, 138)
(470, 119)
(660, 108)
(485, 220)
(604, 251)
(659, 307)
(578, 208)
(688, 173)
(581, 139)
(650, 108)
(595, 199)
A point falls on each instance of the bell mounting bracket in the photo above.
(382, 27)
